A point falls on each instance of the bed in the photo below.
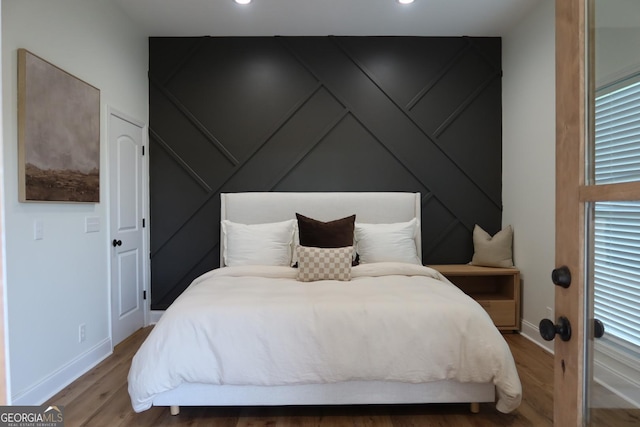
(386, 330)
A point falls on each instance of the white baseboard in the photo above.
(154, 316)
(532, 333)
(56, 381)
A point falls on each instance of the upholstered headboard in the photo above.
(369, 207)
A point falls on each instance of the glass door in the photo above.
(613, 243)
(597, 364)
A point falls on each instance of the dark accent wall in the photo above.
(320, 114)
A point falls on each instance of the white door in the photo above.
(126, 144)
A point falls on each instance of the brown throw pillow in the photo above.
(332, 234)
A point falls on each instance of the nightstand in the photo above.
(497, 290)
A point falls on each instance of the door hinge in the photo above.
(143, 150)
(143, 223)
(144, 294)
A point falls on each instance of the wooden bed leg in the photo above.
(175, 410)
(475, 407)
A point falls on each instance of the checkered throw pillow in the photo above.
(324, 263)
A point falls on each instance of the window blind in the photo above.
(617, 269)
(617, 224)
(617, 139)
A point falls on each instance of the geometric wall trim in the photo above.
(230, 114)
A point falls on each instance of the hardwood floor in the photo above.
(100, 398)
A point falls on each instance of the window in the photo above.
(617, 128)
(617, 269)
(617, 224)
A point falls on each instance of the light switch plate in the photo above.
(92, 224)
(38, 230)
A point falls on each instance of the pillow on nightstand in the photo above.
(496, 251)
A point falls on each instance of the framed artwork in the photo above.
(58, 134)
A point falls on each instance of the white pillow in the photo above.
(387, 242)
(257, 244)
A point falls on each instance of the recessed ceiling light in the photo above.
(242, 1)
(405, 1)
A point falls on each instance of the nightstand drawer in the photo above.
(503, 313)
(496, 289)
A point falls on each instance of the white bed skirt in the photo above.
(344, 393)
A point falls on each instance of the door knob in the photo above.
(598, 328)
(116, 243)
(548, 330)
(561, 276)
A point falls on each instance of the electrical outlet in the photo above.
(549, 313)
(82, 332)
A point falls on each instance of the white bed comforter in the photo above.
(259, 326)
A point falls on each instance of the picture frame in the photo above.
(58, 134)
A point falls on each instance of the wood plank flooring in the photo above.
(100, 398)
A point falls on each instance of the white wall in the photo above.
(4, 343)
(528, 187)
(55, 284)
(617, 54)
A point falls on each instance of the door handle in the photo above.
(561, 276)
(116, 243)
(598, 328)
(548, 330)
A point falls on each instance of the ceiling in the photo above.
(326, 17)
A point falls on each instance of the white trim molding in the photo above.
(65, 375)
(154, 316)
(532, 333)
